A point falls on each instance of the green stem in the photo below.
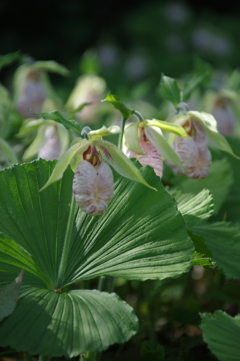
(120, 139)
(63, 263)
(138, 115)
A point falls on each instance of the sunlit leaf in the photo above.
(171, 90)
(118, 104)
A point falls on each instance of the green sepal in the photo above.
(59, 118)
(103, 132)
(36, 145)
(117, 103)
(64, 161)
(29, 126)
(9, 296)
(171, 90)
(131, 138)
(156, 137)
(51, 66)
(173, 128)
(118, 160)
(8, 151)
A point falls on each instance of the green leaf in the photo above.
(200, 244)
(170, 90)
(141, 236)
(218, 182)
(9, 296)
(221, 332)
(78, 109)
(223, 240)
(8, 59)
(8, 151)
(152, 352)
(58, 117)
(117, 103)
(67, 324)
(200, 260)
(194, 208)
(51, 66)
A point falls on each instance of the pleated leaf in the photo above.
(221, 332)
(141, 236)
(9, 296)
(66, 324)
(222, 239)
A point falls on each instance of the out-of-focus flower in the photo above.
(144, 140)
(193, 152)
(89, 89)
(51, 141)
(211, 41)
(93, 182)
(32, 86)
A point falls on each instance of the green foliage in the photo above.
(118, 104)
(222, 333)
(9, 296)
(170, 90)
(58, 117)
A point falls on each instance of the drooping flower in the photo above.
(90, 158)
(145, 141)
(193, 152)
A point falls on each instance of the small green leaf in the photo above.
(170, 90)
(221, 332)
(9, 297)
(200, 260)
(117, 103)
(78, 109)
(10, 58)
(58, 117)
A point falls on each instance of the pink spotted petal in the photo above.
(93, 187)
(151, 157)
(195, 157)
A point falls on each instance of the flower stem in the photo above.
(66, 245)
(138, 115)
(120, 139)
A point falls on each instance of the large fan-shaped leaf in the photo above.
(141, 236)
(9, 296)
(223, 239)
(218, 182)
(67, 324)
(222, 334)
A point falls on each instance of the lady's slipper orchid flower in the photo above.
(51, 141)
(145, 141)
(93, 180)
(193, 152)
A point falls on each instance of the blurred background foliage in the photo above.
(129, 45)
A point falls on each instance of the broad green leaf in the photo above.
(78, 109)
(51, 66)
(171, 90)
(131, 137)
(118, 160)
(218, 182)
(155, 136)
(201, 260)
(221, 332)
(141, 236)
(118, 104)
(55, 324)
(12, 254)
(223, 240)
(9, 296)
(58, 117)
(8, 151)
(194, 208)
(64, 161)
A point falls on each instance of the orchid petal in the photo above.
(151, 157)
(195, 159)
(115, 157)
(93, 187)
(131, 138)
(173, 128)
(156, 137)
(102, 132)
(36, 145)
(64, 161)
